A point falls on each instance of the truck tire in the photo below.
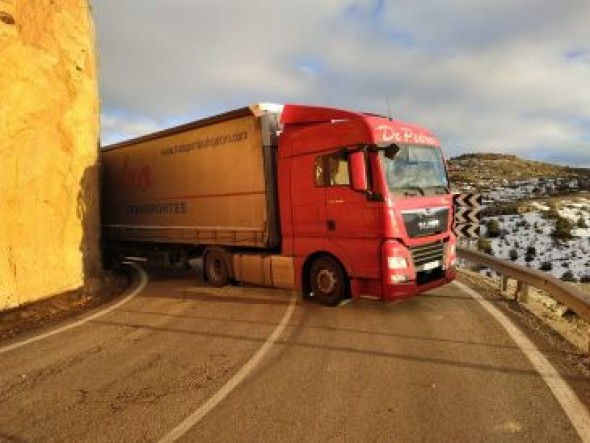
(216, 270)
(327, 281)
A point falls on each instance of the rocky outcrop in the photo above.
(49, 122)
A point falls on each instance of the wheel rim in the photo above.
(326, 281)
(216, 269)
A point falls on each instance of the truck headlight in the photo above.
(397, 263)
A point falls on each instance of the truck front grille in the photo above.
(427, 221)
(427, 253)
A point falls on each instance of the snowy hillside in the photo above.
(527, 239)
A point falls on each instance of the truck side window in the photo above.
(319, 172)
(338, 170)
(331, 170)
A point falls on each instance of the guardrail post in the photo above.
(503, 284)
(522, 292)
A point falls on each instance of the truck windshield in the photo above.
(415, 170)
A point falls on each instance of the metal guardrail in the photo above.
(566, 294)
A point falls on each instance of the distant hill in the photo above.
(486, 168)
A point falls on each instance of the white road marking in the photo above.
(143, 279)
(233, 382)
(570, 403)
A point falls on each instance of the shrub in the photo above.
(513, 254)
(546, 266)
(493, 229)
(582, 223)
(568, 276)
(585, 278)
(529, 258)
(563, 229)
(531, 251)
(485, 246)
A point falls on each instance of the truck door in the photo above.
(351, 219)
(309, 205)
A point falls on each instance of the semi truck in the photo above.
(331, 202)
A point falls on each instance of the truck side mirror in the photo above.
(391, 151)
(358, 171)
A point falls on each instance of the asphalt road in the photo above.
(437, 367)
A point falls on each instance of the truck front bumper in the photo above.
(374, 288)
(405, 290)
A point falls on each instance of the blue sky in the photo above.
(490, 76)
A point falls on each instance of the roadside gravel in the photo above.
(61, 306)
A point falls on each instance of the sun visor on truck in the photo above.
(293, 114)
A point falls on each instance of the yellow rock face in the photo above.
(49, 123)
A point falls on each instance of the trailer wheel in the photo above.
(216, 269)
(327, 281)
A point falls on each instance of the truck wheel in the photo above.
(327, 281)
(216, 269)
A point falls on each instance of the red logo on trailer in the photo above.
(138, 179)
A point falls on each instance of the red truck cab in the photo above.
(365, 206)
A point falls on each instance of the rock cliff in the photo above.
(49, 123)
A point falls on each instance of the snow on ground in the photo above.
(539, 206)
(532, 230)
(510, 193)
(504, 191)
(574, 210)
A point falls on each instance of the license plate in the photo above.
(431, 265)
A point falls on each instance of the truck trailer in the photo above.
(330, 202)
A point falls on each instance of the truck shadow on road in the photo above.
(332, 329)
(345, 349)
(209, 327)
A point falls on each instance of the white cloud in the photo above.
(116, 128)
(482, 74)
